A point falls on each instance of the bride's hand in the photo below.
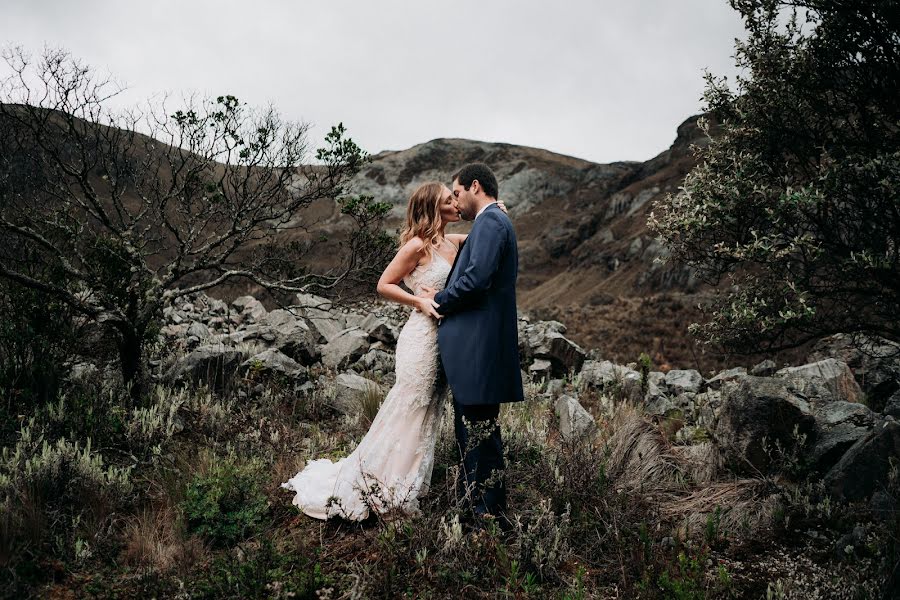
(502, 206)
(427, 306)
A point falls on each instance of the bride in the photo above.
(391, 467)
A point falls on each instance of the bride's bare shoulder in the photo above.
(457, 238)
(414, 245)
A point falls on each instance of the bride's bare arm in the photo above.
(402, 264)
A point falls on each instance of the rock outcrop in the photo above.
(814, 415)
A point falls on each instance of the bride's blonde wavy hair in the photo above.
(423, 215)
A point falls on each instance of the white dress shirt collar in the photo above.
(484, 207)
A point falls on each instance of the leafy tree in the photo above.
(127, 211)
(795, 198)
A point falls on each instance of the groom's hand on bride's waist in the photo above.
(428, 294)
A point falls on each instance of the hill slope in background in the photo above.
(586, 257)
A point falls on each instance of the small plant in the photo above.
(369, 403)
(226, 505)
(713, 524)
(644, 365)
(685, 580)
(261, 572)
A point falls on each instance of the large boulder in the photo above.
(614, 379)
(827, 380)
(247, 309)
(376, 361)
(840, 424)
(574, 421)
(874, 361)
(292, 336)
(755, 409)
(865, 466)
(684, 380)
(715, 382)
(325, 320)
(379, 329)
(345, 349)
(212, 364)
(273, 362)
(892, 406)
(765, 368)
(708, 404)
(656, 401)
(350, 391)
(545, 340)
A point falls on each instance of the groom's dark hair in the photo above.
(482, 173)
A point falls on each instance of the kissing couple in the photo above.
(462, 333)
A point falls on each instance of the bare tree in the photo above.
(136, 209)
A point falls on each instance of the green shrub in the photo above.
(58, 500)
(226, 505)
(260, 572)
(36, 337)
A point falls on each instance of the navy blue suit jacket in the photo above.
(478, 335)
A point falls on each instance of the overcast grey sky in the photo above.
(596, 79)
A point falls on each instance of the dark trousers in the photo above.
(481, 455)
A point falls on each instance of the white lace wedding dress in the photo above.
(391, 467)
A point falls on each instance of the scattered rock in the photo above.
(291, 335)
(683, 380)
(658, 379)
(555, 387)
(840, 424)
(249, 308)
(655, 401)
(377, 361)
(826, 380)
(350, 390)
(546, 340)
(612, 378)
(864, 468)
(764, 369)
(216, 306)
(851, 543)
(379, 329)
(540, 368)
(574, 421)
(758, 408)
(875, 363)
(892, 406)
(715, 382)
(273, 361)
(213, 364)
(345, 349)
(707, 405)
(198, 330)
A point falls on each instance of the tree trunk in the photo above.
(131, 358)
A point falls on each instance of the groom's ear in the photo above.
(476, 185)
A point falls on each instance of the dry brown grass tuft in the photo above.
(740, 508)
(703, 461)
(154, 541)
(640, 457)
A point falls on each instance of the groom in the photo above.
(478, 337)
